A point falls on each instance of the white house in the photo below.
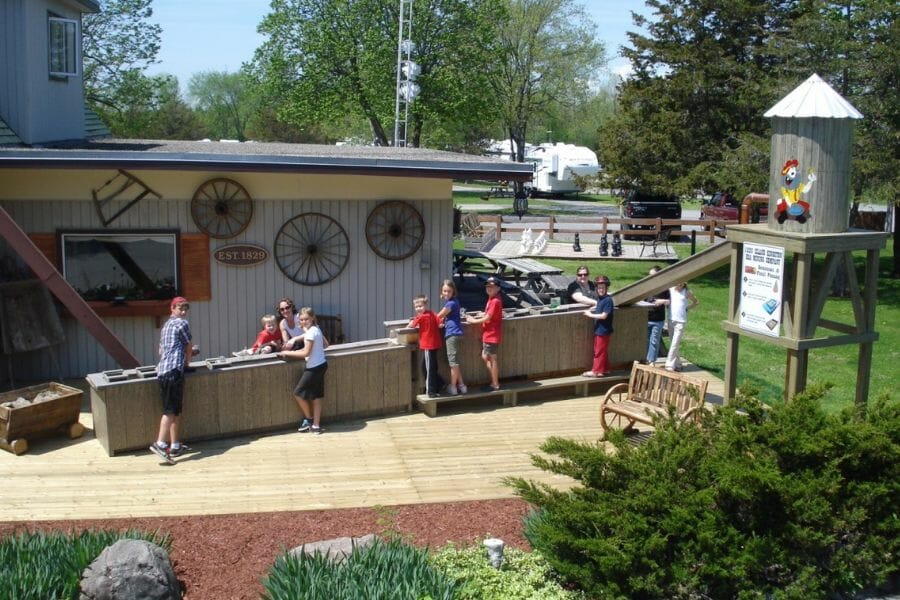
(350, 231)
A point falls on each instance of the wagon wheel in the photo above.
(311, 249)
(221, 208)
(395, 230)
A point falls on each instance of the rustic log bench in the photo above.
(509, 392)
(649, 393)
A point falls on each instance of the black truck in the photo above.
(643, 205)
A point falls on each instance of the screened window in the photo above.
(63, 36)
(121, 266)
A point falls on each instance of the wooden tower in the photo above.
(778, 290)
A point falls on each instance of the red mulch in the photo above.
(223, 557)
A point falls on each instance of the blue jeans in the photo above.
(654, 337)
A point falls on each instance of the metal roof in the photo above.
(263, 157)
(814, 98)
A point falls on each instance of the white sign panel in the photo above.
(762, 280)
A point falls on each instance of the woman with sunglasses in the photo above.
(582, 290)
(289, 324)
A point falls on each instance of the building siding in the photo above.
(368, 291)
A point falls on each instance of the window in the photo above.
(121, 266)
(63, 42)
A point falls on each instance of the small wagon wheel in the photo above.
(312, 249)
(221, 208)
(395, 230)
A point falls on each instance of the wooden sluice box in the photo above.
(38, 411)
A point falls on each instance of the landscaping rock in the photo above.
(337, 549)
(130, 569)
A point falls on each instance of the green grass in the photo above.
(763, 365)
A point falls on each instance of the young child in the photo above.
(269, 339)
(175, 353)
(311, 388)
(453, 333)
(602, 314)
(429, 343)
(492, 333)
(681, 300)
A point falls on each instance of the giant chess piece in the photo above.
(576, 247)
(617, 244)
(604, 246)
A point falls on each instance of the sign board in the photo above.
(762, 281)
(241, 255)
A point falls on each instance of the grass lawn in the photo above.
(763, 365)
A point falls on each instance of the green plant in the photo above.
(387, 522)
(386, 570)
(523, 575)
(788, 502)
(42, 565)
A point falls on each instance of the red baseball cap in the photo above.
(178, 300)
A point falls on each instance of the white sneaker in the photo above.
(462, 388)
(451, 390)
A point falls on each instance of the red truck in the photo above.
(725, 207)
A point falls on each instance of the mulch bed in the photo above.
(222, 557)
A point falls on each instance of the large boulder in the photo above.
(337, 549)
(130, 569)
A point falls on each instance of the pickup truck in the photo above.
(725, 207)
(641, 205)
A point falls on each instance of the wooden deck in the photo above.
(460, 455)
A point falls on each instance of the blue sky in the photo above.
(219, 35)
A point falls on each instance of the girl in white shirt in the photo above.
(311, 388)
(681, 300)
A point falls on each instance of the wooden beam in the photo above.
(65, 293)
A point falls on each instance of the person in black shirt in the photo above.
(656, 319)
(582, 290)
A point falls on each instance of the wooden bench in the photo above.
(649, 393)
(509, 392)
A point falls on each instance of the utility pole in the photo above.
(407, 89)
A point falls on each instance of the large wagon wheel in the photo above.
(221, 208)
(395, 230)
(312, 249)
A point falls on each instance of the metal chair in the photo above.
(660, 238)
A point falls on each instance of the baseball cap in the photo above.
(492, 281)
(178, 300)
(602, 279)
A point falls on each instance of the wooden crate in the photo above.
(59, 414)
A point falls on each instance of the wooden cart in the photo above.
(56, 415)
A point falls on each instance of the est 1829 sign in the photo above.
(241, 255)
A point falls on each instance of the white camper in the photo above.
(555, 166)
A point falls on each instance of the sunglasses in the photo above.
(285, 307)
(582, 274)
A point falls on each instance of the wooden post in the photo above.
(732, 340)
(551, 225)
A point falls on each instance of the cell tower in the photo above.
(407, 71)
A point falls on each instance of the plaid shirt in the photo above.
(173, 339)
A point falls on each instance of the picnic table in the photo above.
(528, 268)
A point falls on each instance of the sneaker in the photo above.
(162, 452)
(316, 430)
(462, 388)
(182, 449)
(304, 426)
(432, 395)
(489, 388)
(451, 390)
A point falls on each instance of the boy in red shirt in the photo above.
(269, 339)
(492, 333)
(429, 343)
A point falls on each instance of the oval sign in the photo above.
(241, 255)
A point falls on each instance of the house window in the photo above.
(121, 266)
(63, 38)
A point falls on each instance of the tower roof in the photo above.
(814, 98)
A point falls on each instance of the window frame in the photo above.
(175, 234)
(66, 45)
